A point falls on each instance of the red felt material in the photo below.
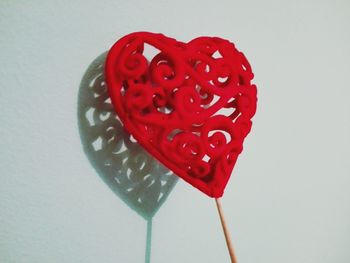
(190, 105)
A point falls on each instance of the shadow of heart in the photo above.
(129, 171)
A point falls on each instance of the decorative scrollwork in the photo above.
(190, 105)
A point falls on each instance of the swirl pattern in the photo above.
(190, 105)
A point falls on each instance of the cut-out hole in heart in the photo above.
(202, 89)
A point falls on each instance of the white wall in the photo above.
(288, 199)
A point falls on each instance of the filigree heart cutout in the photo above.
(188, 104)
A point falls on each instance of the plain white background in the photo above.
(288, 198)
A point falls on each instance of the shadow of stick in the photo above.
(129, 171)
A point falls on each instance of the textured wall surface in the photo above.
(288, 198)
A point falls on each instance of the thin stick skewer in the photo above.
(226, 233)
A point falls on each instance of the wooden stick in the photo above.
(226, 233)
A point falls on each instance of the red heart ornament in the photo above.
(190, 105)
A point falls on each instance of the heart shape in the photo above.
(189, 104)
